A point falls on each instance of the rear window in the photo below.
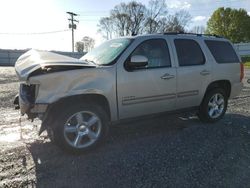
(222, 51)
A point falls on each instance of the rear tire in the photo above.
(213, 106)
(80, 127)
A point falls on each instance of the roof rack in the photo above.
(213, 35)
(196, 34)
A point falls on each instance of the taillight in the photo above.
(241, 71)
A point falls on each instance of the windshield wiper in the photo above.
(90, 61)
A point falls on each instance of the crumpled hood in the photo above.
(35, 59)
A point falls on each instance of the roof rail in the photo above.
(196, 34)
(213, 35)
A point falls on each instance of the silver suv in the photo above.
(77, 99)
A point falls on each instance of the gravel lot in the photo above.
(163, 151)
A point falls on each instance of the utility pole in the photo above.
(72, 25)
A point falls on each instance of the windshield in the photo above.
(107, 52)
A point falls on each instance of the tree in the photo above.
(155, 16)
(106, 27)
(86, 44)
(128, 18)
(199, 29)
(79, 46)
(231, 23)
(177, 22)
(135, 18)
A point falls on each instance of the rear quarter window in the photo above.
(222, 51)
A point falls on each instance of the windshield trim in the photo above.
(115, 60)
(118, 56)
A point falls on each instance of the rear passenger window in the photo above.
(189, 52)
(222, 51)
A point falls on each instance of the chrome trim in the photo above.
(128, 100)
(187, 93)
(136, 100)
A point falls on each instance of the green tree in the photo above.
(230, 23)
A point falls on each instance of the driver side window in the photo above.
(156, 50)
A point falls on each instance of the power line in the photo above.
(97, 19)
(39, 33)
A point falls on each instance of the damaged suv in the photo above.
(77, 99)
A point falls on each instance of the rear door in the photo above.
(193, 71)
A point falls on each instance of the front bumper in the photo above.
(26, 107)
(27, 103)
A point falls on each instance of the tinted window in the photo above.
(222, 51)
(156, 50)
(189, 52)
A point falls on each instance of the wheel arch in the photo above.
(224, 84)
(82, 98)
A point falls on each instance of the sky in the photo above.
(43, 24)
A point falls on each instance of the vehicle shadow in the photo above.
(155, 152)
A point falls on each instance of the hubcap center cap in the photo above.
(82, 128)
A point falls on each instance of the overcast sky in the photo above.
(28, 23)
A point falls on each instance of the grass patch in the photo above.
(246, 61)
(247, 65)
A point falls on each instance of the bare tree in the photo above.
(125, 19)
(183, 17)
(120, 18)
(173, 25)
(199, 29)
(136, 13)
(88, 43)
(177, 22)
(135, 18)
(156, 14)
(128, 18)
(79, 46)
(106, 27)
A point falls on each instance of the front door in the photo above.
(150, 89)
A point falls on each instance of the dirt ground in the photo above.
(163, 151)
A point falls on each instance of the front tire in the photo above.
(80, 128)
(213, 106)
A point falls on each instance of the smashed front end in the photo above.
(27, 95)
(32, 69)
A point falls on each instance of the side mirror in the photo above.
(137, 61)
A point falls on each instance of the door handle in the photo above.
(167, 76)
(205, 72)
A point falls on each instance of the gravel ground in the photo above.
(164, 151)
